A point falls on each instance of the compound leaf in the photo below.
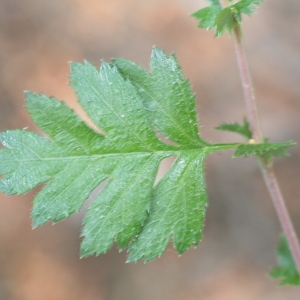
(136, 111)
(286, 271)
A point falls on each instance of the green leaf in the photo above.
(207, 16)
(243, 129)
(170, 110)
(266, 150)
(136, 111)
(178, 210)
(225, 19)
(246, 7)
(286, 271)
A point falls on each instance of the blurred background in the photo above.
(37, 40)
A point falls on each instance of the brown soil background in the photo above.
(39, 37)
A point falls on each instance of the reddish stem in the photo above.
(252, 112)
(266, 168)
(283, 215)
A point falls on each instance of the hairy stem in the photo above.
(252, 112)
(266, 168)
(283, 215)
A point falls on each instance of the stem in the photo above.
(252, 112)
(266, 168)
(283, 215)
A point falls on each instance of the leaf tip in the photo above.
(106, 67)
(156, 52)
(76, 67)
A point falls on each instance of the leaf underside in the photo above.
(286, 271)
(130, 105)
(224, 19)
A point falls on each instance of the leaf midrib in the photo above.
(206, 149)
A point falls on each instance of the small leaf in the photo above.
(225, 19)
(207, 16)
(286, 271)
(243, 129)
(246, 7)
(266, 150)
